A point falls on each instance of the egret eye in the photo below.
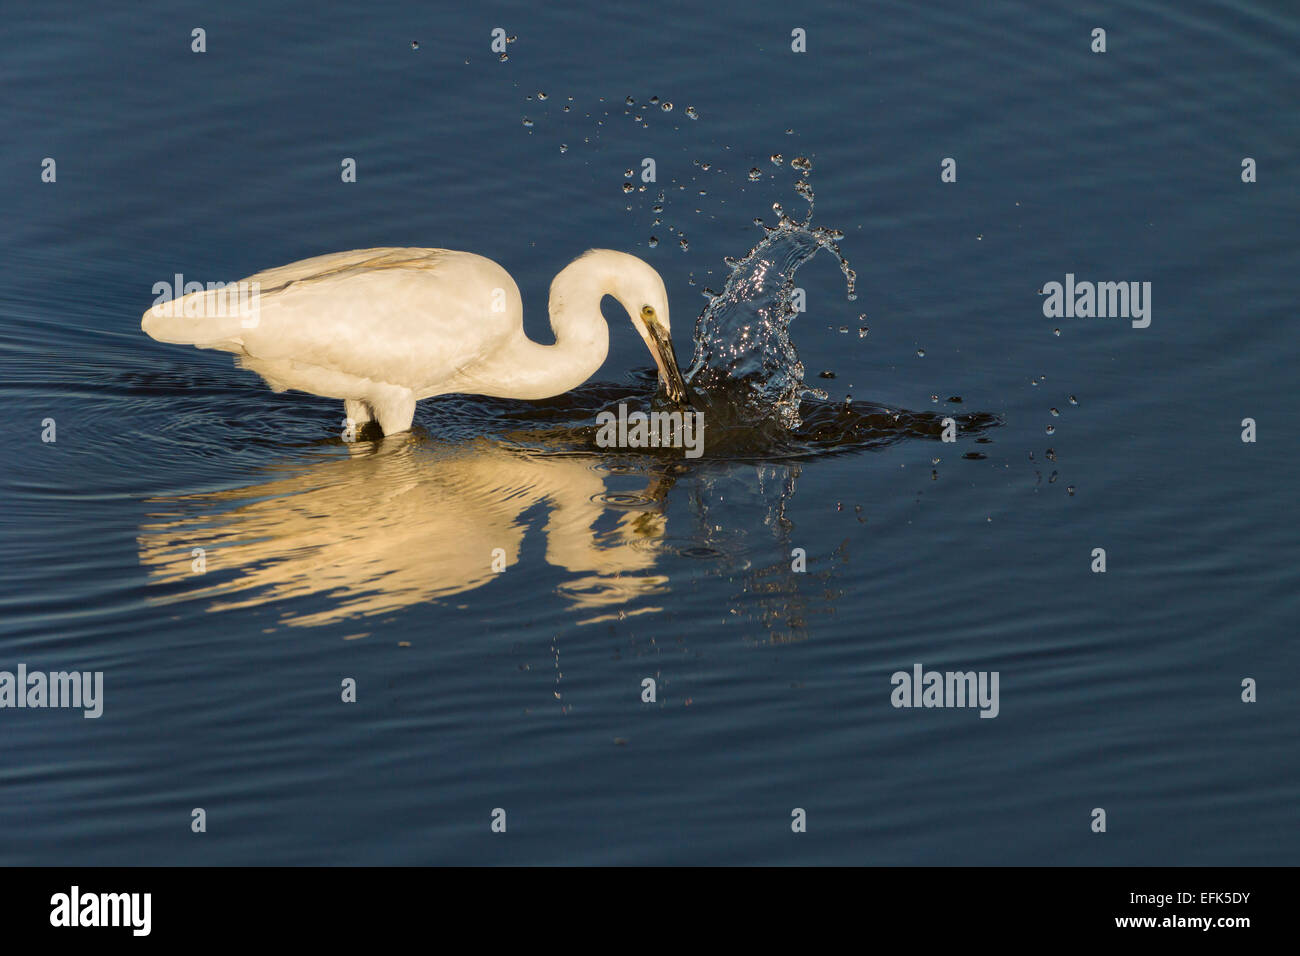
(647, 312)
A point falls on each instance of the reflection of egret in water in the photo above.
(404, 521)
(372, 527)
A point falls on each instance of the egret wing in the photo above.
(408, 317)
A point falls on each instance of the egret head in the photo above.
(640, 290)
(653, 326)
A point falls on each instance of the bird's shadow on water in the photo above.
(566, 424)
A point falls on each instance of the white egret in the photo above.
(382, 328)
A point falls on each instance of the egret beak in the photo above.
(666, 358)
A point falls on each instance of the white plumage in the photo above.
(383, 328)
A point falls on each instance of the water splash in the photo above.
(744, 356)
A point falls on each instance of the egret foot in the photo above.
(394, 407)
(357, 411)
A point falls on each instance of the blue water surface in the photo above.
(522, 690)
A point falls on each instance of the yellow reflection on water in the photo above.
(403, 521)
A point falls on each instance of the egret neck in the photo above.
(582, 334)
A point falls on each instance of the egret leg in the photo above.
(358, 411)
(394, 408)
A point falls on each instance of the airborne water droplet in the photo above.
(755, 175)
(690, 112)
(654, 241)
(777, 159)
(668, 107)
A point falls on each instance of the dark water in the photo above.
(522, 690)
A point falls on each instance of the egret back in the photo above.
(402, 316)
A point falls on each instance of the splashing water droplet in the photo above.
(654, 241)
(755, 175)
(654, 101)
(1073, 400)
(628, 187)
(777, 159)
(920, 353)
(668, 107)
(541, 95)
(528, 123)
(691, 113)
(415, 44)
(743, 348)
(801, 163)
(564, 148)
